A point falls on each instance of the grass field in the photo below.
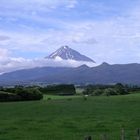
(63, 119)
(57, 97)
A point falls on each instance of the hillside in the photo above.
(102, 74)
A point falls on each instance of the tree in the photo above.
(110, 91)
(62, 89)
(120, 89)
(20, 93)
(30, 94)
(97, 92)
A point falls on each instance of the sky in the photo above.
(104, 30)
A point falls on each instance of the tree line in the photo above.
(21, 93)
(62, 89)
(108, 90)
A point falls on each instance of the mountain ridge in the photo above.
(102, 74)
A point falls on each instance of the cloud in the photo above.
(4, 53)
(16, 7)
(12, 64)
(4, 38)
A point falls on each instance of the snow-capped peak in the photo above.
(64, 47)
(66, 53)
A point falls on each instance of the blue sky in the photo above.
(105, 30)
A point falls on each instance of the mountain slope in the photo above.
(66, 53)
(103, 74)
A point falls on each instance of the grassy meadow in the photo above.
(63, 119)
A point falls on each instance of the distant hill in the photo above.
(102, 74)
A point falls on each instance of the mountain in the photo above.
(102, 74)
(66, 53)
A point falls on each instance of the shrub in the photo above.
(120, 89)
(5, 96)
(49, 98)
(110, 91)
(21, 94)
(30, 94)
(97, 92)
(59, 89)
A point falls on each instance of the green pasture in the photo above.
(70, 118)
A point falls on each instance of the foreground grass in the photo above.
(57, 97)
(62, 119)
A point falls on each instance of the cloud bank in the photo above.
(12, 64)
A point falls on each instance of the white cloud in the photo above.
(12, 64)
(4, 38)
(4, 53)
(16, 7)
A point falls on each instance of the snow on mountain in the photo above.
(66, 53)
